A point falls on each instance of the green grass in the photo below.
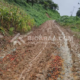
(21, 17)
(75, 29)
(37, 12)
(72, 22)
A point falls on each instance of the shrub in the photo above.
(13, 17)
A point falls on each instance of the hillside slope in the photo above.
(37, 11)
(48, 52)
(21, 17)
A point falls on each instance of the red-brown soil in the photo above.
(40, 59)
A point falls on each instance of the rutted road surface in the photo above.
(65, 54)
(34, 54)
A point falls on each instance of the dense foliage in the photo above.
(72, 22)
(78, 13)
(13, 18)
(37, 11)
(48, 4)
(21, 16)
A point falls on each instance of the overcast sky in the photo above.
(66, 7)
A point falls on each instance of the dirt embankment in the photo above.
(46, 53)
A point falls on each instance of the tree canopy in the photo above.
(78, 13)
(46, 3)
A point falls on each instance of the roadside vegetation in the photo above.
(13, 18)
(71, 22)
(21, 15)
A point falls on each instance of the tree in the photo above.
(27, 1)
(49, 1)
(32, 2)
(46, 5)
(41, 1)
(78, 13)
(55, 6)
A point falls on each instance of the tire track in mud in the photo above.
(22, 77)
(26, 70)
(65, 54)
(67, 57)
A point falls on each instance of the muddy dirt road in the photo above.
(46, 53)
